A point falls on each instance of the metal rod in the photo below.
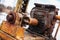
(57, 30)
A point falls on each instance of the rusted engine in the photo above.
(41, 23)
(45, 14)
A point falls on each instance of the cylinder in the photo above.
(33, 21)
(57, 17)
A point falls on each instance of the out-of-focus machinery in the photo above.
(41, 22)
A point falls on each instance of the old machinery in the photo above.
(41, 23)
(45, 14)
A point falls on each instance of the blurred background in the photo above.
(11, 4)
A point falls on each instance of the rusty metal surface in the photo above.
(45, 16)
(11, 31)
(5, 36)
